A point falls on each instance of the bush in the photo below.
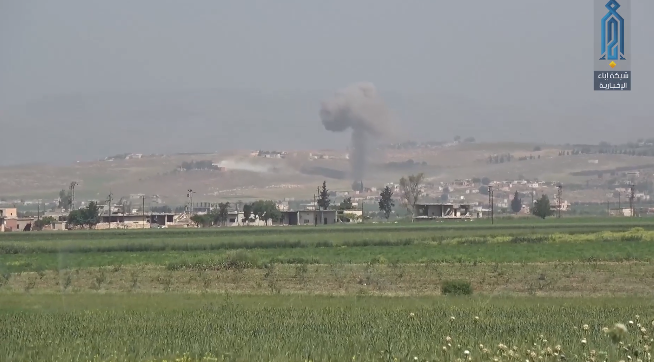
(241, 259)
(456, 287)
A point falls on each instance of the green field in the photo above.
(360, 292)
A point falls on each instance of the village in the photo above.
(460, 199)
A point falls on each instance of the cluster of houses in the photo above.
(9, 220)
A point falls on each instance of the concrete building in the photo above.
(9, 212)
(309, 217)
(343, 215)
(430, 211)
(19, 224)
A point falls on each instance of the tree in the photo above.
(201, 220)
(444, 197)
(346, 204)
(323, 198)
(91, 214)
(266, 210)
(411, 191)
(457, 138)
(542, 207)
(75, 218)
(88, 216)
(247, 213)
(65, 199)
(516, 203)
(44, 221)
(222, 213)
(485, 181)
(386, 202)
(272, 212)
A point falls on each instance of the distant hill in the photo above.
(239, 175)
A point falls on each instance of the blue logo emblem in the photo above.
(612, 33)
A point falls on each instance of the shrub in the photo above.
(456, 287)
(241, 259)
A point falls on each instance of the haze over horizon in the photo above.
(83, 80)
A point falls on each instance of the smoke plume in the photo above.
(357, 107)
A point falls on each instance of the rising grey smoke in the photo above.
(357, 107)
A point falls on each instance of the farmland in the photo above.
(541, 289)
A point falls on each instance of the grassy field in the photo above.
(277, 328)
(364, 293)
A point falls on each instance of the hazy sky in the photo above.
(524, 63)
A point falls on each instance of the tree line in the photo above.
(265, 210)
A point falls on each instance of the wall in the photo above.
(310, 216)
(237, 220)
(9, 212)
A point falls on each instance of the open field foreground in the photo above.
(548, 290)
(280, 328)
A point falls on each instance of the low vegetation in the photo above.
(277, 328)
(542, 290)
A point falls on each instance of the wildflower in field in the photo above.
(448, 339)
(583, 341)
(412, 314)
(637, 317)
(631, 323)
(452, 318)
(585, 327)
(605, 329)
(476, 319)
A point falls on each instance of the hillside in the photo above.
(240, 175)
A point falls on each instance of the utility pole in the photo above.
(109, 207)
(72, 194)
(190, 197)
(315, 216)
(631, 199)
(320, 207)
(619, 202)
(38, 210)
(143, 211)
(491, 202)
(559, 193)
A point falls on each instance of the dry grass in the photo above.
(545, 279)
